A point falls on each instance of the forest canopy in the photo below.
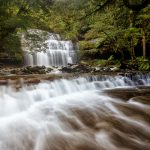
(119, 29)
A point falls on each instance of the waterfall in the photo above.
(77, 114)
(50, 51)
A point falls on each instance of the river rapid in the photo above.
(84, 113)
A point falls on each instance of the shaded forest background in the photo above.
(107, 31)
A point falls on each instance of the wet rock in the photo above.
(76, 68)
(3, 82)
(41, 72)
(66, 69)
(127, 81)
(84, 68)
(43, 67)
(35, 70)
(144, 99)
(33, 81)
(114, 69)
(17, 71)
(5, 73)
(49, 69)
(80, 68)
(28, 67)
(140, 82)
(26, 70)
(97, 69)
(126, 94)
(107, 69)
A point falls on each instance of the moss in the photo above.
(86, 45)
(88, 54)
(91, 34)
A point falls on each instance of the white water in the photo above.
(56, 53)
(73, 115)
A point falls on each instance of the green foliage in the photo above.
(11, 48)
(17, 16)
(143, 63)
(18, 58)
(88, 54)
(113, 27)
(86, 45)
(101, 62)
(96, 24)
(111, 58)
(11, 43)
(107, 62)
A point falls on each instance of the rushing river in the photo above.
(92, 113)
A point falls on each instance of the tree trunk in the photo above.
(132, 23)
(144, 43)
(132, 49)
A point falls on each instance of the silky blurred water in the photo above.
(90, 113)
(56, 53)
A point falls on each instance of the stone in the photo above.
(3, 82)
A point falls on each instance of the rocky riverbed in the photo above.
(47, 70)
(35, 74)
(92, 113)
(74, 68)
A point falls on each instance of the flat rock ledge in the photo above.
(20, 80)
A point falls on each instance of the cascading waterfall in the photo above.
(55, 52)
(76, 114)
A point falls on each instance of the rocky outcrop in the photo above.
(70, 68)
(31, 70)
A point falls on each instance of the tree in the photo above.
(135, 7)
(18, 15)
(121, 25)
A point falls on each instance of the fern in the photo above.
(143, 63)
